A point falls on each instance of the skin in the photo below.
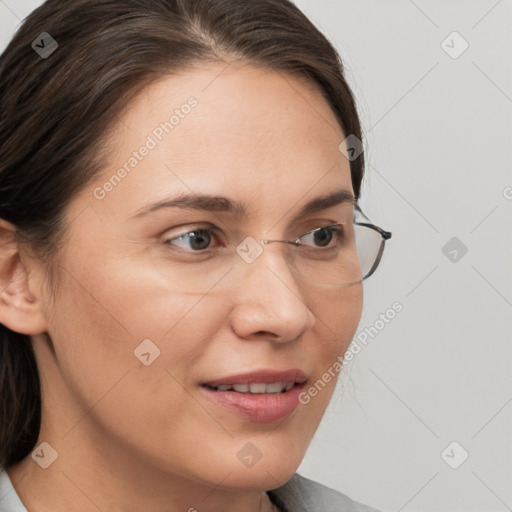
(132, 437)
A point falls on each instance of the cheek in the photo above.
(98, 324)
(92, 342)
(338, 315)
(101, 321)
(102, 316)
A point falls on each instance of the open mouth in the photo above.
(256, 388)
(260, 396)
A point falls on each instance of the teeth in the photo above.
(241, 388)
(257, 387)
(275, 387)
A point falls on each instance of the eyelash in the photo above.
(209, 230)
(338, 231)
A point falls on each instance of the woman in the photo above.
(158, 350)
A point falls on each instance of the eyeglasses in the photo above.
(336, 256)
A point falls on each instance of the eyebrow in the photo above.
(221, 204)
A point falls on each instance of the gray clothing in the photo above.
(301, 494)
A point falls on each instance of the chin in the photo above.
(263, 476)
(273, 463)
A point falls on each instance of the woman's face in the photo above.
(139, 326)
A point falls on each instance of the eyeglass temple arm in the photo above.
(386, 235)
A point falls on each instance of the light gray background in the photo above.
(438, 139)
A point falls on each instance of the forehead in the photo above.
(253, 133)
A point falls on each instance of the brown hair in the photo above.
(56, 111)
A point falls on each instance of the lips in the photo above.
(260, 396)
(293, 375)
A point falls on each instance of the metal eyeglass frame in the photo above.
(385, 235)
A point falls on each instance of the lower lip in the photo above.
(258, 407)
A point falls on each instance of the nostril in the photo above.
(266, 333)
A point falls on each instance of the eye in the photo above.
(322, 237)
(197, 240)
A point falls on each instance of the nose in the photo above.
(268, 301)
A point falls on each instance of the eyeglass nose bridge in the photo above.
(295, 243)
(289, 258)
(293, 269)
(266, 242)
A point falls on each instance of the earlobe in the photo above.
(20, 307)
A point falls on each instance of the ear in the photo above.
(20, 299)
